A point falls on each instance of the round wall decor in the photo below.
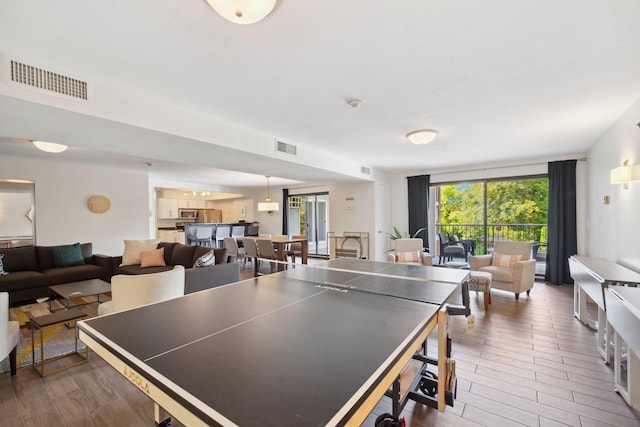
(98, 204)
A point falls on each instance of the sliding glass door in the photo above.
(309, 216)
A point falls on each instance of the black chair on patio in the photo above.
(449, 250)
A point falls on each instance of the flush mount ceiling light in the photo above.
(268, 205)
(243, 11)
(50, 147)
(423, 136)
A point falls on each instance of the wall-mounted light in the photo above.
(268, 206)
(50, 147)
(625, 174)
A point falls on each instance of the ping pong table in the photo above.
(314, 345)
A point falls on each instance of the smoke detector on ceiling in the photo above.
(354, 103)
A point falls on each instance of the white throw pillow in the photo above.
(205, 260)
(133, 249)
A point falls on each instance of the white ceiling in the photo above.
(500, 80)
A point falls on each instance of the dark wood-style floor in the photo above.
(528, 363)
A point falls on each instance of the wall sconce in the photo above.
(625, 174)
(268, 206)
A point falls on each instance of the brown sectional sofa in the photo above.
(32, 270)
(196, 279)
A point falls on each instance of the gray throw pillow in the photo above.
(205, 260)
(2, 272)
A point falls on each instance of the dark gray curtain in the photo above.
(418, 187)
(285, 211)
(562, 235)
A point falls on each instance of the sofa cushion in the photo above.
(76, 273)
(20, 259)
(133, 249)
(136, 269)
(67, 255)
(22, 280)
(183, 255)
(168, 250)
(154, 258)
(499, 274)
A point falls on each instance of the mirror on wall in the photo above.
(17, 213)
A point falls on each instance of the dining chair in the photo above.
(9, 333)
(266, 251)
(295, 248)
(251, 252)
(222, 231)
(233, 251)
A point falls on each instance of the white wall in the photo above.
(352, 208)
(613, 230)
(61, 193)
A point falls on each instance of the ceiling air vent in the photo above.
(283, 147)
(48, 81)
(365, 170)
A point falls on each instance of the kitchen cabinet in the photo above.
(192, 204)
(168, 208)
(171, 236)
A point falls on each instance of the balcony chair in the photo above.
(510, 265)
(9, 333)
(130, 291)
(409, 251)
(449, 250)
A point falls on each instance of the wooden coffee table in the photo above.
(83, 288)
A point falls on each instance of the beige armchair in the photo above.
(135, 290)
(9, 333)
(409, 251)
(508, 273)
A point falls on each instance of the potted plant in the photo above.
(397, 235)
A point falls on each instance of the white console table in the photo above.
(615, 322)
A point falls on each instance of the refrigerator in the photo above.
(209, 216)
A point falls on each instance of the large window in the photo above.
(488, 211)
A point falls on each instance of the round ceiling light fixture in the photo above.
(243, 11)
(423, 136)
(50, 147)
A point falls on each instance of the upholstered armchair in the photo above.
(409, 251)
(135, 290)
(510, 265)
(9, 333)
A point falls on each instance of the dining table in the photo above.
(280, 244)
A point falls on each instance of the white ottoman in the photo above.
(481, 281)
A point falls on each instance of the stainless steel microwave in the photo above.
(188, 213)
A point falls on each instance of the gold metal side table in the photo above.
(57, 318)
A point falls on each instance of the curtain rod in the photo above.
(582, 159)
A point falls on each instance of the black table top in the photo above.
(290, 348)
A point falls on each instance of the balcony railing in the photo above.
(485, 236)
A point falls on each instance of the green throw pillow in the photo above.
(67, 255)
